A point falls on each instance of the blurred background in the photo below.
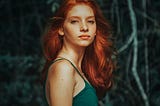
(136, 28)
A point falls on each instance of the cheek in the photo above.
(94, 30)
(68, 30)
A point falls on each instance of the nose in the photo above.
(84, 27)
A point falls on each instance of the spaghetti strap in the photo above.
(71, 64)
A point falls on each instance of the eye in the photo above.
(91, 21)
(74, 21)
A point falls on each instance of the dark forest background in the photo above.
(136, 29)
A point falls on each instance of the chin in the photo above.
(85, 44)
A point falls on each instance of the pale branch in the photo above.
(49, 1)
(144, 4)
(151, 31)
(144, 10)
(135, 52)
(117, 16)
(154, 21)
(127, 67)
(146, 65)
(128, 86)
(107, 100)
(129, 41)
(101, 103)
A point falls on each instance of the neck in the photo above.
(75, 55)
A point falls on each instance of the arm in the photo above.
(60, 83)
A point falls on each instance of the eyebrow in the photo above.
(80, 17)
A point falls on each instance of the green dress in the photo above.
(87, 96)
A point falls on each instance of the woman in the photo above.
(78, 54)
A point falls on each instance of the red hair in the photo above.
(97, 63)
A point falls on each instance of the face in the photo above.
(79, 27)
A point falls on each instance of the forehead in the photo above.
(80, 10)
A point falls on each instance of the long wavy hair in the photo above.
(97, 63)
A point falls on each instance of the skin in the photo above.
(63, 82)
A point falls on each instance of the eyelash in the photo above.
(76, 21)
(91, 21)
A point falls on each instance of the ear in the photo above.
(61, 32)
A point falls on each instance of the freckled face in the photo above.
(79, 27)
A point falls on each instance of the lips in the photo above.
(84, 37)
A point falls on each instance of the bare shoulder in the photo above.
(61, 69)
(60, 83)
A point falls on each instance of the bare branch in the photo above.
(118, 16)
(146, 65)
(146, 46)
(135, 52)
(129, 41)
(147, 17)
